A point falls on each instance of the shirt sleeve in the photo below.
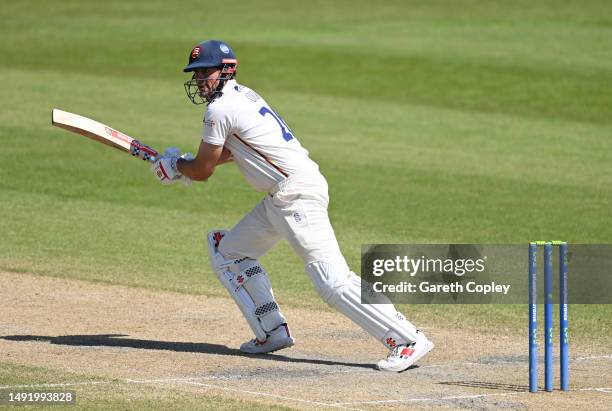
(217, 125)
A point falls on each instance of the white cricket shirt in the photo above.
(263, 146)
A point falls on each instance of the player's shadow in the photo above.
(116, 340)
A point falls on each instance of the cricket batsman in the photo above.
(240, 126)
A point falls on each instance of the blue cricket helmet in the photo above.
(211, 53)
(208, 54)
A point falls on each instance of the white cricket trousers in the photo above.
(296, 210)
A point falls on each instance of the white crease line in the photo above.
(67, 384)
(594, 357)
(352, 372)
(336, 372)
(265, 394)
(606, 390)
(473, 363)
(184, 379)
(193, 381)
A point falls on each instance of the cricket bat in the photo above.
(102, 133)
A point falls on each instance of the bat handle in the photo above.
(142, 151)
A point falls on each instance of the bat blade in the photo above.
(102, 133)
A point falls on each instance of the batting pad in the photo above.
(341, 289)
(254, 279)
(248, 284)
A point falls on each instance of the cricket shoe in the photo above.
(278, 339)
(405, 355)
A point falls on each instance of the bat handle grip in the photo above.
(142, 151)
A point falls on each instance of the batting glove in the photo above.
(164, 168)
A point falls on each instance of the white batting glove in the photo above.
(164, 168)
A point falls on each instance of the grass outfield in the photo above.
(446, 122)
